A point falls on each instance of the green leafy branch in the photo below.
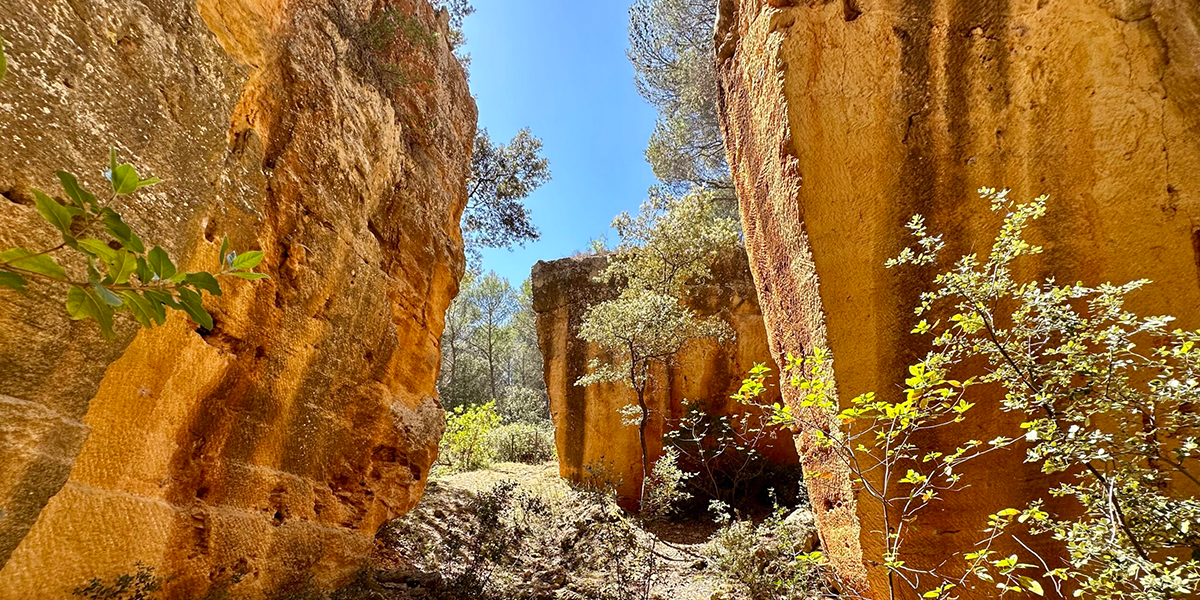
(121, 275)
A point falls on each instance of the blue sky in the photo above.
(559, 67)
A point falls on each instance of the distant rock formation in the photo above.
(270, 449)
(593, 443)
(844, 117)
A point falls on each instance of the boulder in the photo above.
(261, 455)
(594, 445)
(842, 118)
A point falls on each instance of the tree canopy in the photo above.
(671, 48)
(489, 349)
(502, 176)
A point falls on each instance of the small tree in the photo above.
(725, 449)
(465, 444)
(671, 243)
(1106, 398)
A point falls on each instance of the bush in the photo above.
(381, 37)
(506, 542)
(466, 559)
(524, 405)
(523, 443)
(465, 444)
(770, 560)
(664, 487)
(723, 452)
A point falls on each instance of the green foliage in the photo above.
(490, 352)
(465, 444)
(671, 49)
(382, 31)
(524, 405)
(386, 34)
(459, 10)
(116, 273)
(772, 559)
(523, 443)
(1105, 401)
(502, 176)
(669, 245)
(141, 585)
(664, 487)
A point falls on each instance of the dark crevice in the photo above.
(16, 197)
(850, 10)
(1196, 249)
(375, 232)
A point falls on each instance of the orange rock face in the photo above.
(843, 118)
(263, 454)
(593, 443)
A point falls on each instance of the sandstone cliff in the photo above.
(842, 118)
(592, 442)
(269, 449)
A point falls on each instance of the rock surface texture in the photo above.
(593, 443)
(263, 455)
(844, 117)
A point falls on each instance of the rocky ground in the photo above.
(520, 532)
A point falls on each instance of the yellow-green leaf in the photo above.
(247, 261)
(1032, 585)
(12, 280)
(53, 212)
(122, 267)
(21, 258)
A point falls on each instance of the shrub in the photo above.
(770, 560)
(377, 39)
(506, 542)
(523, 443)
(465, 444)
(1106, 399)
(723, 451)
(664, 486)
(524, 405)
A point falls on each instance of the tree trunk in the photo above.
(642, 440)
(492, 362)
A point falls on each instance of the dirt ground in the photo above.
(680, 569)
